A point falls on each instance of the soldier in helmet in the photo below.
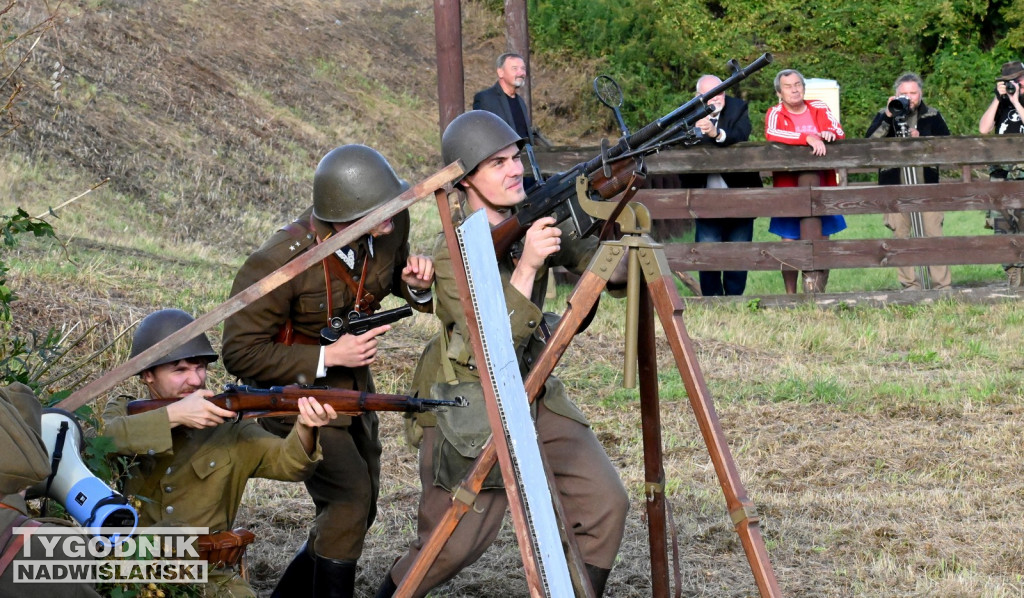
(594, 499)
(189, 469)
(275, 340)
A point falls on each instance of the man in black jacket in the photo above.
(913, 119)
(502, 99)
(728, 124)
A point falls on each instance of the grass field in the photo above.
(880, 445)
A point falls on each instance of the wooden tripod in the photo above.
(647, 263)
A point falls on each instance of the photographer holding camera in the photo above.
(1004, 117)
(906, 115)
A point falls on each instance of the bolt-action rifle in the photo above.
(609, 173)
(277, 401)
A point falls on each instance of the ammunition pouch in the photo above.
(461, 436)
(225, 548)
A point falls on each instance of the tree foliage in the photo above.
(656, 49)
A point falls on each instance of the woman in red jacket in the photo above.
(795, 121)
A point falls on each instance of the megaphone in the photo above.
(84, 496)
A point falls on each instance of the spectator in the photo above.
(795, 121)
(916, 120)
(503, 99)
(1004, 117)
(728, 124)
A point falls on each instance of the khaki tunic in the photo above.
(196, 478)
(594, 499)
(345, 485)
(9, 589)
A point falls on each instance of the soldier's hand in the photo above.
(542, 239)
(418, 272)
(194, 411)
(312, 414)
(352, 351)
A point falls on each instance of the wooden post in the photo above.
(451, 81)
(517, 39)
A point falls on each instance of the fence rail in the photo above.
(946, 152)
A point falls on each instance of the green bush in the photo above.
(656, 49)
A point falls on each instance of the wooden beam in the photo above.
(261, 287)
(517, 39)
(451, 80)
(819, 201)
(848, 153)
(857, 253)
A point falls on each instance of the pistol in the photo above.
(359, 323)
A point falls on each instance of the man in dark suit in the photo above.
(728, 124)
(502, 99)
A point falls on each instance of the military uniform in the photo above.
(344, 486)
(196, 477)
(25, 462)
(594, 499)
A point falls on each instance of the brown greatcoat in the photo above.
(345, 485)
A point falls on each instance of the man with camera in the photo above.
(906, 115)
(1004, 117)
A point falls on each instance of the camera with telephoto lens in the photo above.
(1011, 88)
(899, 106)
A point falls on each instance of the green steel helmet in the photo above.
(351, 181)
(474, 136)
(159, 325)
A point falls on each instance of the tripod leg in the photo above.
(654, 470)
(744, 516)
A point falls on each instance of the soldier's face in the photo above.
(497, 183)
(513, 72)
(175, 380)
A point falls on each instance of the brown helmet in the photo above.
(474, 136)
(159, 325)
(352, 180)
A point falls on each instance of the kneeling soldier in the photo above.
(191, 470)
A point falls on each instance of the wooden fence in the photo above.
(970, 192)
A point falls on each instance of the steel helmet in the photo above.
(159, 325)
(352, 180)
(474, 136)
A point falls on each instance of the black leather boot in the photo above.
(334, 578)
(598, 579)
(387, 587)
(297, 579)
